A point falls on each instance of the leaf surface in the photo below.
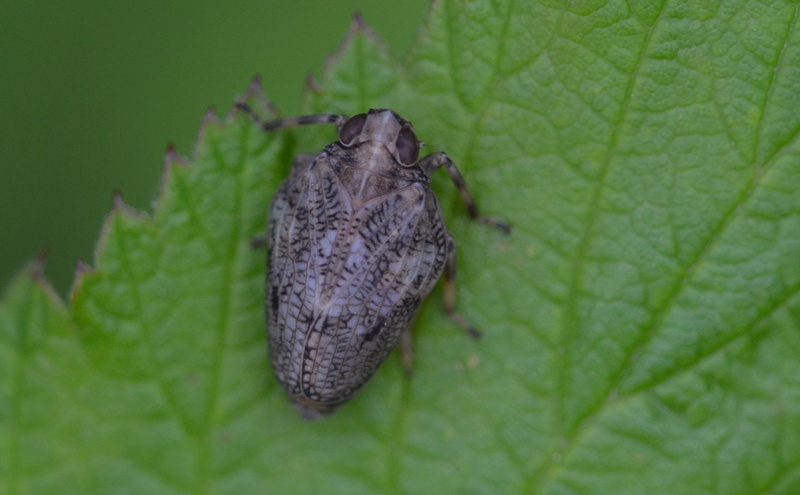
(642, 322)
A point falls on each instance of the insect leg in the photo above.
(277, 124)
(259, 242)
(438, 159)
(450, 291)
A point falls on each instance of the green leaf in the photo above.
(41, 368)
(642, 322)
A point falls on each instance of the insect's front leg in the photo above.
(440, 158)
(277, 124)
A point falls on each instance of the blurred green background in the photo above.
(93, 91)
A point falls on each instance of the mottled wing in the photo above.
(344, 283)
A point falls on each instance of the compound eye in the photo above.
(407, 146)
(352, 129)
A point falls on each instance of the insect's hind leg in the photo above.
(450, 291)
(277, 124)
(439, 159)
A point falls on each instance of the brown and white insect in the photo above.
(355, 242)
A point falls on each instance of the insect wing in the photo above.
(343, 283)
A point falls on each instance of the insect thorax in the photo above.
(368, 171)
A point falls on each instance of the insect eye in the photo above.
(407, 146)
(352, 129)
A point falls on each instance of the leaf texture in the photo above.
(642, 322)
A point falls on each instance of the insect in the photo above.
(355, 242)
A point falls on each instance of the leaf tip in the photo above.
(358, 26)
(210, 117)
(254, 95)
(36, 266)
(81, 267)
(119, 206)
(358, 21)
(172, 157)
(255, 84)
(118, 202)
(312, 85)
(34, 271)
